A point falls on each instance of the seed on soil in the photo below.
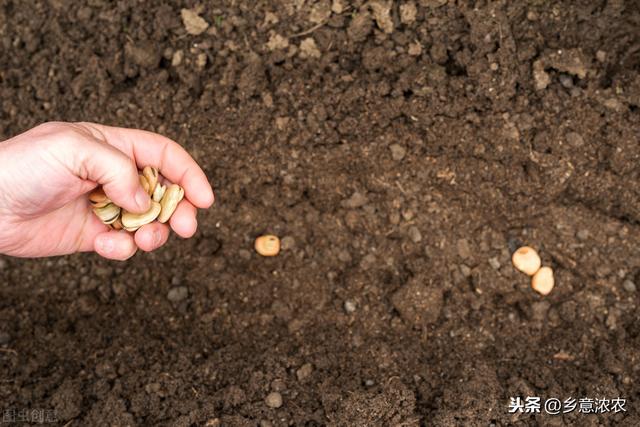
(267, 245)
(273, 400)
(527, 260)
(542, 282)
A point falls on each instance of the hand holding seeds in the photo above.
(47, 172)
(163, 204)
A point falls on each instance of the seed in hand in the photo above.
(542, 282)
(144, 183)
(108, 214)
(158, 193)
(268, 245)
(163, 204)
(98, 199)
(527, 260)
(151, 175)
(169, 202)
(131, 221)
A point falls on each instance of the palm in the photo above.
(70, 228)
(48, 171)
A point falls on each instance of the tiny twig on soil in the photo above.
(8, 350)
(309, 31)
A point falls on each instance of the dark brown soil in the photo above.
(403, 166)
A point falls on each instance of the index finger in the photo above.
(152, 149)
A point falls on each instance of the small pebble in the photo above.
(566, 81)
(397, 152)
(304, 372)
(629, 286)
(574, 139)
(273, 400)
(582, 234)
(542, 282)
(369, 383)
(178, 294)
(527, 260)
(176, 60)
(152, 388)
(414, 234)
(357, 200)
(287, 243)
(465, 270)
(494, 263)
(349, 306)
(201, 61)
(268, 245)
(463, 248)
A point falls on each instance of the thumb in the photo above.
(116, 172)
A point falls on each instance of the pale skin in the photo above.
(46, 173)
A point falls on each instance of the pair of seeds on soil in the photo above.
(164, 201)
(528, 261)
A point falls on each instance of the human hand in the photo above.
(46, 173)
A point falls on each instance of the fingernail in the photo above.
(142, 199)
(106, 244)
(157, 238)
